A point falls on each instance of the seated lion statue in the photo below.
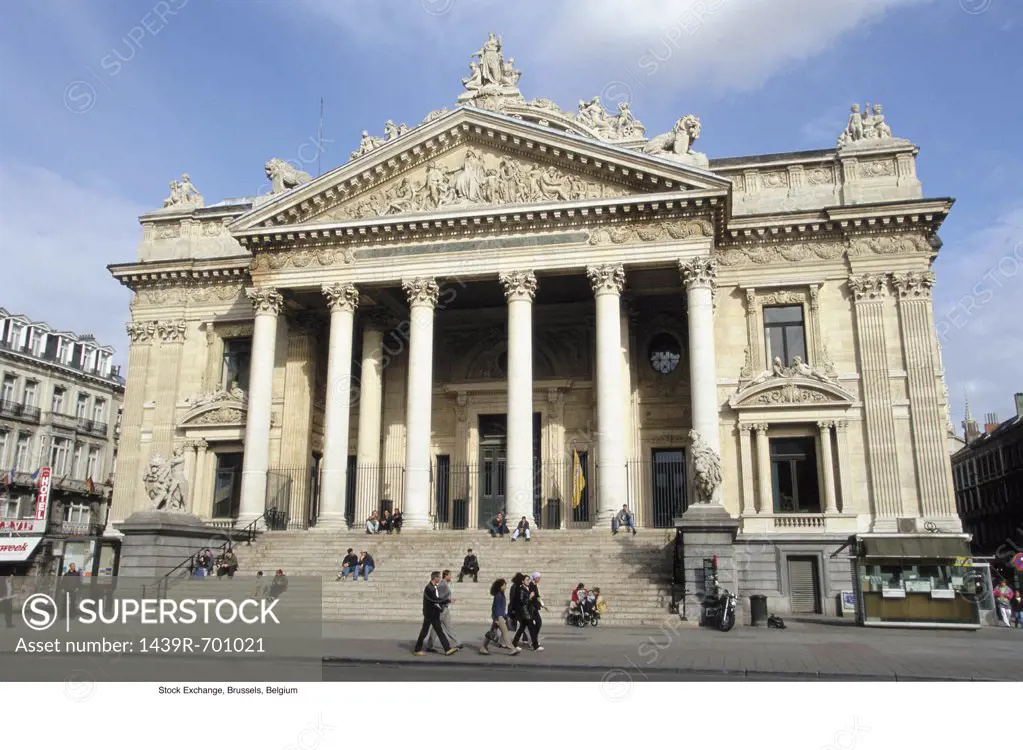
(283, 176)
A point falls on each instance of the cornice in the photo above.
(137, 276)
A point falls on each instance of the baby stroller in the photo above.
(581, 615)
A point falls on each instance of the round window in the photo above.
(665, 353)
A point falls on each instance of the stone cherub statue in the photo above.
(392, 131)
(865, 126)
(284, 176)
(706, 468)
(366, 144)
(183, 194)
(165, 482)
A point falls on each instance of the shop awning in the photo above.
(929, 547)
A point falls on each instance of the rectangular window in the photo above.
(76, 513)
(237, 356)
(9, 507)
(22, 453)
(57, 402)
(35, 342)
(92, 467)
(784, 333)
(14, 334)
(82, 407)
(99, 411)
(63, 351)
(76, 462)
(10, 388)
(31, 392)
(60, 451)
(794, 475)
(5, 439)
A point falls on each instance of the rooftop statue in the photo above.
(183, 194)
(678, 143)
(367, 144)
(491, 78)
(392, 131)
(284, 176)
(866, 126)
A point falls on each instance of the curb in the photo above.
(664, 671)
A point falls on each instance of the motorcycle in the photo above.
(719, 610)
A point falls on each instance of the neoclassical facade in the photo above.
(511, 306)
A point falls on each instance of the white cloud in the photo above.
(977, 308)
(58, 237)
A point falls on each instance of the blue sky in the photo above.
(106, 102)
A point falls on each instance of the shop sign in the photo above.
(18, 548)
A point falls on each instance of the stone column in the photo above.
(422, 297)
(698, 276)
(202, 489)
(828, 464)
(129, 493)
(196, 476)
(371, 401)
(764, 469)
(266, 303)
(607, 282)
(869, 292)
(342, 300)
(519, 290)
(844, 467)
(297, 414)
(749, 507)
(172, 336)
(933, 468)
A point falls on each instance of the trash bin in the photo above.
(758, 609)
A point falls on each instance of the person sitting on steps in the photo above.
(498, 525)
(470, 567)
(624, 517)
(373, 523)
(386, 522)
(521, 530)
(349, 565)
(396, 520)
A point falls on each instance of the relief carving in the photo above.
(651, 232)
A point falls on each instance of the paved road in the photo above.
(805, 650)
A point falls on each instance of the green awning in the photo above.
(929, 547)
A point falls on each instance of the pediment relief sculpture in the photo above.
(469, 178)
(232, 393)
(224, 414)
(799, 384)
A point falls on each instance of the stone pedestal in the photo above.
(155, 541)
(708, 530)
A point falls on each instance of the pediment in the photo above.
(791, 391)
(468, 159)
(228, 412)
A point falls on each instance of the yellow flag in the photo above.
(578, 480)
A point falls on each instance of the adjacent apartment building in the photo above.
(59, 406)
(988, 474)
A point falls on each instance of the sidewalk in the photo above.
(805, 650)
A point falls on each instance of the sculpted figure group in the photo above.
(868, 125)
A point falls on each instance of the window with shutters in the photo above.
(804, 589)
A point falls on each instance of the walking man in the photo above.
(432, 604)
(444, 589)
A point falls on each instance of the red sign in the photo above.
(22, 526)
(43, 499)
(1017, 562)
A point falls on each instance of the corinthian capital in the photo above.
(913, 284)
(171, 330)
(609, 279)
(341, 296)
(141, 333)
(421, 291)
(265, 300)
(869, 287)
(518, 285)
(698, 272)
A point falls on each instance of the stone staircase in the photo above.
(632, 572)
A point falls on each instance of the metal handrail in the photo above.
(249, 533)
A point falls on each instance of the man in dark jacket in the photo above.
(433, 602)
(349, 565)
(498, 525)
(470, 567)
(522, 529)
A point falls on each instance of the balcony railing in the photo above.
(19, 411)
(799, 521)
(67, 528)
(62, 420)
(88, 425)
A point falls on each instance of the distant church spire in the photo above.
(971, 430)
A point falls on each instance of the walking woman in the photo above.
(522, 607)
(499, 614)
(536, 622)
